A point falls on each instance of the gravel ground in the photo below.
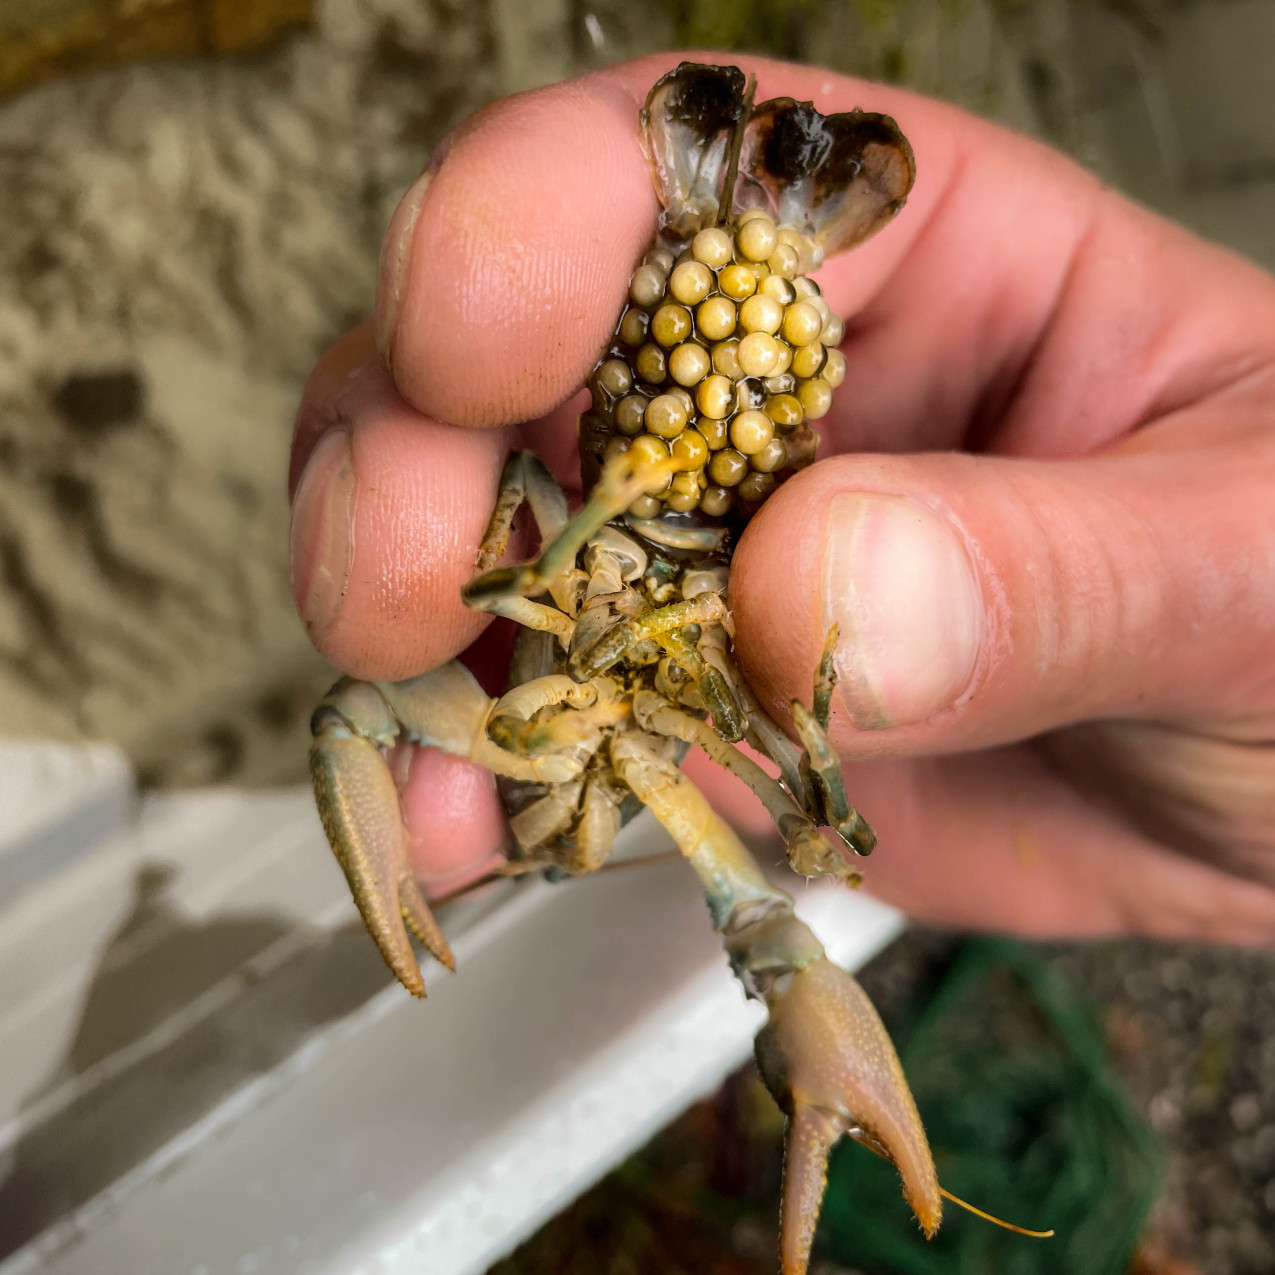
(1192, 1031)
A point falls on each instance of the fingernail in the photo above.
(322, 539)
(392, 271)
(899, 583)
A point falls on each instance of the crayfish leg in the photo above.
(824, 1054)
(621, 482)
(820, 760)
(523, 480)
(808, 852)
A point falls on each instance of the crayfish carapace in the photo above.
(724, 354)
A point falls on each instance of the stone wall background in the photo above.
(182, 237)
(181, 240)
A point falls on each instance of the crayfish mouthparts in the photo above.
(702, 405)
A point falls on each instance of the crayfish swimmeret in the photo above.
(724, 354)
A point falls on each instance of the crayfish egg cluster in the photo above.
(722, 357)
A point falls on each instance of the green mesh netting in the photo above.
(1026, 1120)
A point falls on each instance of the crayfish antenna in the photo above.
(991, 1217)
(877, 1149)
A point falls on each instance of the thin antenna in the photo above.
(736, 145)
(866, 1140)
(989, 1217)
(515, 869)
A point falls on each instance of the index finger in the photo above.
(506, 263)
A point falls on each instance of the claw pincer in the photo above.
(358, 804)
(701, 407)
(827, 1059)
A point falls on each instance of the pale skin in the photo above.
(1070, 397)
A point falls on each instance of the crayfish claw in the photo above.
(420, 920)
(812, 1133)
(820, 764)
(824, 766)
(355, 729)
(358, 805)
(826, 678)
(830, 1064)
(812, 855)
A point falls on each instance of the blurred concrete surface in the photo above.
(182, 240)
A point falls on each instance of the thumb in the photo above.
(983, 599)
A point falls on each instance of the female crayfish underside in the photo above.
(723, 355)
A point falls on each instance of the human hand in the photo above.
(1044, 517)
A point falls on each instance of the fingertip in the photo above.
(424, 496)
(983, 599)
(389, 510)
(456, 828)
(871, 545)
(342, 370)
(521, 249)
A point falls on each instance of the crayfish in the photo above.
(724, 354)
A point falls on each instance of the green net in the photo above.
(1026, 1120)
